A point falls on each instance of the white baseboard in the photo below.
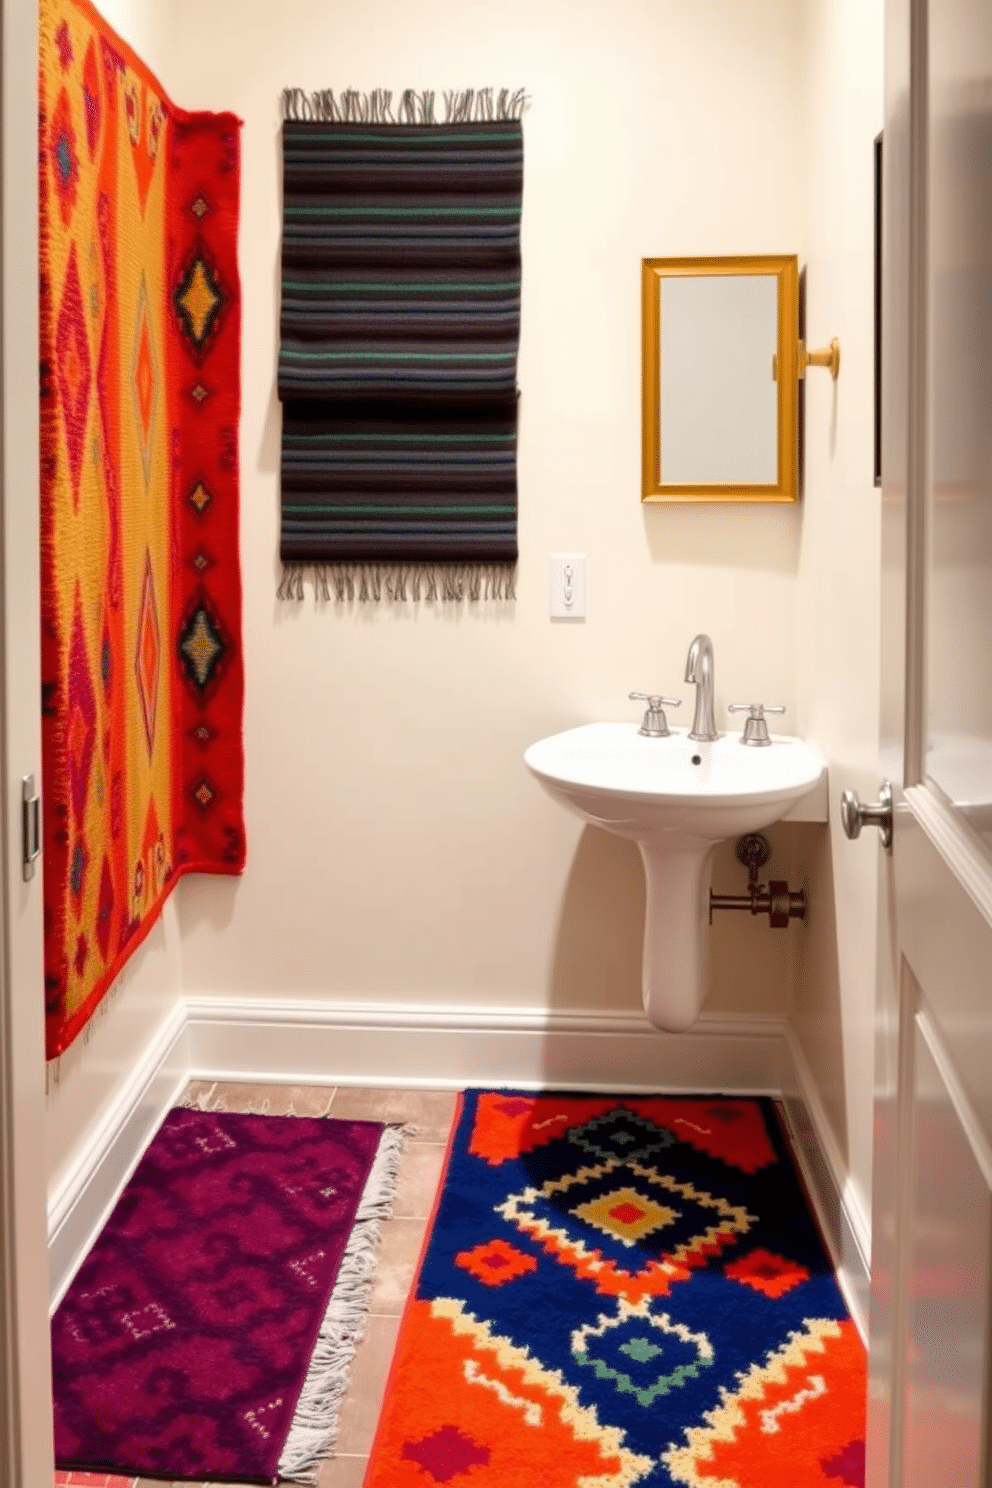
(450, 1046)
(274, 1041)
(85, 1195)
(846, 1226)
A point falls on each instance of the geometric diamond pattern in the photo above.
(198, 301)
(847, 1465)
(138, 108)
(65, 159)
(148, 656)
(81, 715)
(203, 793)
(73, 369)
(446, 1454)
(647, 1339)
(663, 1230)
(626, 1214)
(145, 380)
(63, 45)
(200, 498)
(201, 647)
(138, 503)
(769, 1274)
(91, 98)
(495, 1262)
(77, 871)
(621, 1133)
(105, 909)
(646, 1330)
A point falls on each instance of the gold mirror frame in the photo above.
(785, 370)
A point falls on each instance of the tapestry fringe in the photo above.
(463, 106)
(315, 1423)
(58, 1063)
(399, 582)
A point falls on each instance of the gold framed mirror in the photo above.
(720, 379)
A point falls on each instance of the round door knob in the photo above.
(854, 813)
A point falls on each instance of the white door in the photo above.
(930, 1391)
(25, 1368)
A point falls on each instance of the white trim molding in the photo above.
(844, 1221)
(446, 1045)
(273, 1040)
(82, 1198)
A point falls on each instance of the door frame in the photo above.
(26, 1455)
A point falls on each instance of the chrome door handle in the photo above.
(854, 814)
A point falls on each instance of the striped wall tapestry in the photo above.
(398, 355)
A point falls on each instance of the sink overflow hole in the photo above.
(697, 759)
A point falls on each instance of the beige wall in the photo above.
(397, 848)
(147, 26)
(838, 577)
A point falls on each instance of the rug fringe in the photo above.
(315, 1422)
(399, 582)
(461, 106)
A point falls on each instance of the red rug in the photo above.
(623, 1291)
(196, 1340)
(142, 673)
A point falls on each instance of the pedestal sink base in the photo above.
(675, 974)
(676, 798)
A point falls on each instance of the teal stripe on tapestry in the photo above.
(410, 438)
(306, 211)
(399, 356)
(376, 508)
(370, 285)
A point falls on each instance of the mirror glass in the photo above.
(720, 379)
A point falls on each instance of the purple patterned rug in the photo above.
(209, 1330)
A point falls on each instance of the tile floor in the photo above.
(430, 1112)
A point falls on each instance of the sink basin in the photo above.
(676, 799)
(648, 788)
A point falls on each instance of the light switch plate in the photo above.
(567, 581)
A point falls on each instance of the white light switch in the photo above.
(568, 586)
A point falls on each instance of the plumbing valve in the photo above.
(775, 899)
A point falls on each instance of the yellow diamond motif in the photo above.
(626, 1214)
(200, 300)
(201, 647)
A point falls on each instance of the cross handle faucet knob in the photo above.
(654, 724)
(755, 727)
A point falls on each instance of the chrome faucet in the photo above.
(699, 669)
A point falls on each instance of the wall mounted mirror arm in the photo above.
(828, 357)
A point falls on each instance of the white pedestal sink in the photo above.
(676, 799)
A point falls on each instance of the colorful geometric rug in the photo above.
(197, 1339)
(620, 1291)
(142, 681)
